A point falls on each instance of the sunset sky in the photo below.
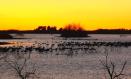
(91, 14)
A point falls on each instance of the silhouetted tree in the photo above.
(21, 65)
(73, 30)
(41, 28)
(73, 27)
(111, 68)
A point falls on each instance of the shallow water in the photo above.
(72, 58)
(55, 38)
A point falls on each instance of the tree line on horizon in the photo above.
(67, 28)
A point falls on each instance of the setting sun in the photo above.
(91, 14)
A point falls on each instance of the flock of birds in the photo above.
(60, 47)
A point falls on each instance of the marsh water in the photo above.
(71, 58)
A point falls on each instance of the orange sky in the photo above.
(91, 14)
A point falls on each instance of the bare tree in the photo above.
(111, 69)
(20, 63)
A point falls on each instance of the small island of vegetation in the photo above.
(73, 30)
(5, 36)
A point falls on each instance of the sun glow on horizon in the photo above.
(91, 14)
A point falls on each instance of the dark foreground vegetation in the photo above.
(19, 60)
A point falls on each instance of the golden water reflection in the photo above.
(15, 43)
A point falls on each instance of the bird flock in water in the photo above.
(63, 48)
